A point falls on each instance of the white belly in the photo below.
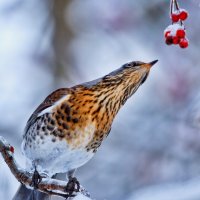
(56, 157)
(52, 155)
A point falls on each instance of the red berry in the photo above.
(12, 149)
(167, 33)
(183, 43)
(176, 40)
(183, 15)
(180, 33)
(175, 17)
(169, 40)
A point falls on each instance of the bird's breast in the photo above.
(82, 121)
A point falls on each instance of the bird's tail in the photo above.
(24, 193)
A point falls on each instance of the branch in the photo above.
(47, 185)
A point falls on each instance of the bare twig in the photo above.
(47, 185)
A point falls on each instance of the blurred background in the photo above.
(153, 149)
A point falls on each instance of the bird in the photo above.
(68, 127)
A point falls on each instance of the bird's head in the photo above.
(120, 84)
(127, 79)
(132, 73)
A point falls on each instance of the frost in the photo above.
(173, 28)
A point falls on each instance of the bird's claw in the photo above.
(72, 186)
(36, 179)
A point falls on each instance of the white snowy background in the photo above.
(153, 150)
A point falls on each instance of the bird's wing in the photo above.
(50, 101)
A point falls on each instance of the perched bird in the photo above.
(67, 128)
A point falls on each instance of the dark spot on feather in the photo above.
(50, 128)
(61, 135)
(59, 112)
(67, 110)
(57, 117)
(97, 110)
(43, 128)
(52, 122)
(87, 94)
(54, 133)
(63, 106)
(65, 126)
(59, 130)
(75, 120)
(38, 127)
(68, 118)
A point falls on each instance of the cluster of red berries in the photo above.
(181, 14)
(175, 33)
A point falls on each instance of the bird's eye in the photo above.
(134, 64)
(129, 65)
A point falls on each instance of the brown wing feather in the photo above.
(49, 101)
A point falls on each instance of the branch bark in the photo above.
(47, 185)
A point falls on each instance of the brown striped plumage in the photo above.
(81, 116)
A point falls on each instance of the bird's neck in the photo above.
(106, 96)
(111, 96)
(110, 99)
(116, 92)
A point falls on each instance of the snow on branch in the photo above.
(47, 185)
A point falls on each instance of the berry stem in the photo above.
(174, 5)
(171, 7)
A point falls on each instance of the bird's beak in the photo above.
(149, 65)
(153, 63)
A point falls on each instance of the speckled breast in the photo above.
(58, 146)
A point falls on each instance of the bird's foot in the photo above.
(36, 179)
(72, 186)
